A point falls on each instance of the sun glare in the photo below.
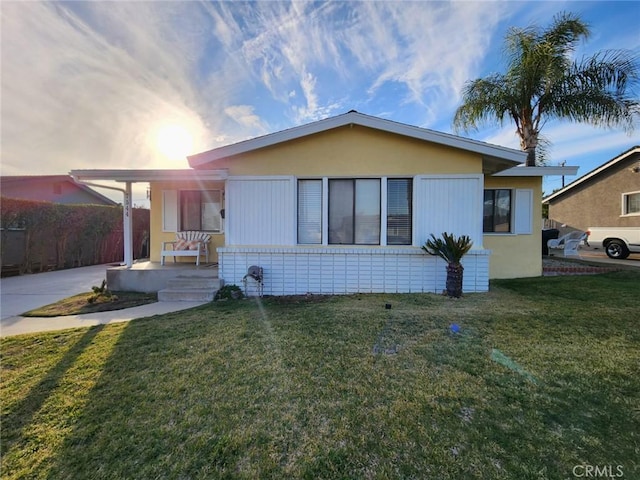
(174, 142)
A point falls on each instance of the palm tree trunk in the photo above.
(454, 280)
(531, 157)
(528, 143)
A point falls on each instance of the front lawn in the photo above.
(540, 381)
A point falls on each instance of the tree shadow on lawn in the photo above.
(21, 415)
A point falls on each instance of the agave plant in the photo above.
(451, 250)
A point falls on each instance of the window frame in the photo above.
(410, 198)
(354, 216)
(321, 232)
(625, 204)
(511, 225)
(382, 231)
(184, 192)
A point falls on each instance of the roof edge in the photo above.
(596, 171)
(356, 118)
(524, 171)
(150, 175)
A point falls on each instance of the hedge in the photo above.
(62, 236)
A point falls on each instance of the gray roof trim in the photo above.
(355, 118)
(523, 171)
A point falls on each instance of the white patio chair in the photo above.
(568, 243)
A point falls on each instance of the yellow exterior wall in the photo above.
(514, 256)
(359, 152)
(158, 236)
(344, 151)
(352, 151)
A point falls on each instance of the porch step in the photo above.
(189, 289)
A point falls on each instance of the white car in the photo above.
(618, 242)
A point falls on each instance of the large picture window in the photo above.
(399, 199)
(497, 211)
(201, 210)
(354, 212)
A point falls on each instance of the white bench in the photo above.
(187, 244)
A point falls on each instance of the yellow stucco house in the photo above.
(343, 205)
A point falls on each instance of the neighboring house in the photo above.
(51, 188)
(343, 205)
(608, 196)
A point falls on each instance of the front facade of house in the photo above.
(343, 206)
(608, 196)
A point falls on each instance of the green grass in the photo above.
(303, 388)
(79, 304)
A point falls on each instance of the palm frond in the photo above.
(542, 83)
(448, 247)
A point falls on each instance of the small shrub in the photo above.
(229, 292)
(101, 294)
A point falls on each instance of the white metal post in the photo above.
(127, 222)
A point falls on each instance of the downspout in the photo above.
(127, 220)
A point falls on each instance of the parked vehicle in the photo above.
(618, 242)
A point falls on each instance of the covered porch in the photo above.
(127, 178)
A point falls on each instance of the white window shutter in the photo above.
(169, 210)
(523, 212)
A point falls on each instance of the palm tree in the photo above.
(451, 250)
(542, 82)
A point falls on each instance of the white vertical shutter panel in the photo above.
(169, 210)
(448, 204)
(523, 222)
(261, 211)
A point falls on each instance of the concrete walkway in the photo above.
(26, 292)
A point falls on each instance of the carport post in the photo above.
(127, 222)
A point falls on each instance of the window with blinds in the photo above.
(399, 214)
(354, 211)
(310, 211)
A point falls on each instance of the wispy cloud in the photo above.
(245, 115)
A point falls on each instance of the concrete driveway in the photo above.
(26, 292)
(591, 254)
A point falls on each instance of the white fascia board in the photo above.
(134, 176)
(524, 171)
(355, 118)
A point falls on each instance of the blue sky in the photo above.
(91, 84)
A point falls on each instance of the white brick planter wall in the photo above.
(337, 270)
